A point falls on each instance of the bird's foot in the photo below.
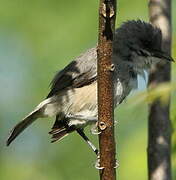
(116, 164)
(115, 122)
(94, 130)
(97, 163)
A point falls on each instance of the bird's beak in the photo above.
(162, 55)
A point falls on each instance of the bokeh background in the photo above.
(38, 38)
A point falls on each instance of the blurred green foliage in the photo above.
(37, 38)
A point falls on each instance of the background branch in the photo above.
(159, 130)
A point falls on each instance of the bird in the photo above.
(137, 45)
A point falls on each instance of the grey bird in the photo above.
(73, 96)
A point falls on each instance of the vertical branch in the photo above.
(107, 15)
(159, 135)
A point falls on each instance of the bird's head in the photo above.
(139, 45)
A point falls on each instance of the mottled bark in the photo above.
(107, 14)
(159, 130)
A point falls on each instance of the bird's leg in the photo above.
(82, 134)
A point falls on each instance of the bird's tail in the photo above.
(22, 125)
(60, 129)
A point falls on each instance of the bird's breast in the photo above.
(84, 100)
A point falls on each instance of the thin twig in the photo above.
(107, 15)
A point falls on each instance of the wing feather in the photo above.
(81, 71)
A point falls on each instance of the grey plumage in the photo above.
(80, 72)
(136, 46)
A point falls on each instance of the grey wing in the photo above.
(80, 72)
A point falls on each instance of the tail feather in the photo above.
(56, 131)
(21, 126)
(59, 136)
(60, 129)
